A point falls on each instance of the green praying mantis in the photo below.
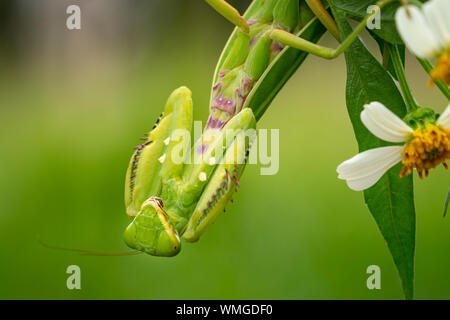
(173, 190)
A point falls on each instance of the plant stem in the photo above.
(386, 55)
(411, 103)
(441, 85)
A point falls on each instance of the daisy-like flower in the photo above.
(426, 144)
(426, 32)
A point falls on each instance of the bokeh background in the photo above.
(74, 103)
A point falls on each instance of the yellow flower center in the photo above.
(428, 147)
(442, 69)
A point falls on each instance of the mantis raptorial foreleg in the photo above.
(151, 167)
(221, 186)
(174, 186)
(141, 180)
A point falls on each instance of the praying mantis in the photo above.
(173, 190)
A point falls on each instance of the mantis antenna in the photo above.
(89, 252)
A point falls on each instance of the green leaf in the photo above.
(390, 200)
(357, 9)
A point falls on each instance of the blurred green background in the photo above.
(74, 103)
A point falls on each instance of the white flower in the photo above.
(425, 32)
(424, 148)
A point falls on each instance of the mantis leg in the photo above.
(178, 140)
(152, 229)
(325, 18)
(221, 186)
(229, 13)
(141, 181)
(172, 185)
(293, 41)
(207, 162)
(181, 195)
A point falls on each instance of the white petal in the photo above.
(437, 13)
(366, 168)
(416, 32)
(444, 119)
(367, 162)
(384, 124)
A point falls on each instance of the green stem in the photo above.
(386, 54)
(441, 85)
(411, 103)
